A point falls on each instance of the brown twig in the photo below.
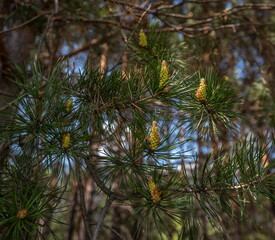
(6, 94)
(25, 23)
(230, 188)
(84, 47)
(111, 229)
(78, 50)
(102, 216)
(92, 21)
(91, 168)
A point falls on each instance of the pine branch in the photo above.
(93, 21)
(100, 184)
(6, 94)
(26, 22)
(102, 216)
(84, 47)
(122, 106)
(111, 229)
(231, 188)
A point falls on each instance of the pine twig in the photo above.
(111, 229)
(6, 94)
(102, 216)
(91, 168)
(25, 23)
(84, 47)
(230, 188)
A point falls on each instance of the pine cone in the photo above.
(164, 75)
(142, 39)
(154, 137)
(69, 105)
(154, 190)
(201, 91)
(22, 213)
(66, 140)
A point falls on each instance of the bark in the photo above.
(72, 214)
(89, 192)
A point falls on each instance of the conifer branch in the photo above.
(122, 106)
(25, 23)
(63, 116)
(230, 188)
(102, 216)
(6, 94)
(84, 47)
(111, 229)
(100, 184)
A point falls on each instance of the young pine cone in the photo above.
(66, 139)
(201, 91)
(142, 39)
(164, 75)
(154, 138)
(154, 190)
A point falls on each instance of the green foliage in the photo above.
(116, 111)
(218, 112)
(20, 191)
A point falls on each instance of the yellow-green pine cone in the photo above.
(151, 184)
(154, 190)
(69, 105)
(164, 75)
(66, 139)
(142, 39)
(154, 137)
(155, 195)
(226, 78)
(22, 213)
(201, 91)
